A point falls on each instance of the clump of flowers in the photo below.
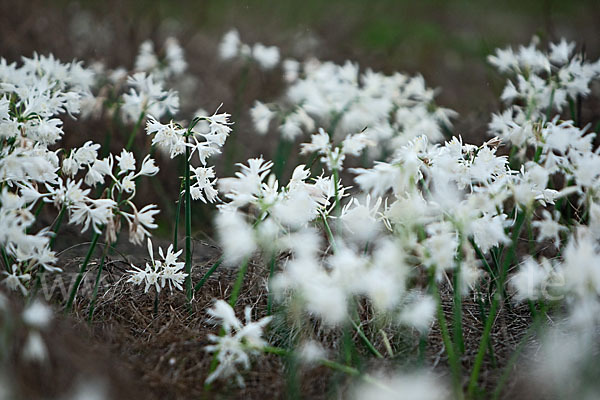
(232, 47)
(158, 273)
(391, 110)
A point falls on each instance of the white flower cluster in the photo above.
(274, 211)
(545, 82)
(32, 98)
(158, 273)
(175, 139)
(172, 62)
(333, 157)
(390, 109)
(232, 47)
(147, 96)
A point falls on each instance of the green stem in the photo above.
(57, 224)
(549, 109)
(134, 131)
(327, 363)
(235, 292)
(282, 154)
(483, 259)
(514, 357)
(336, 367)
(336, 189)
(530, 238)
(422, 348)
(7, 261)
(38, 209)
(495, 304)
(97, 283)
(329, 233)
(207, 275)
(448, 345)
(457, 303)
(348, 349)
(538, 154)
(572, 110)
(366, 340)
(271, 273)
(483, 316)
(82, 271)
(178, 213)
(292, 377)
(188, 227)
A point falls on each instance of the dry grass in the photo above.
(161, 354)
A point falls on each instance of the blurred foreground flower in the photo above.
(238, 342)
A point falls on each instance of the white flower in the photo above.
(126, 161)
(158, 273)
(37, 315)
(229, 46)
(174, 56)
(549, 228)
(239, 342)
(419, 385)
(235, 235)
(15, 279)
(34, 348)
(224, 314)
(311, 351)
(291, 68)
(261, 116)
(361, 222)
(168, 137)
(319, 142)
(504, 60)
(419, 313)
(99, 170)
(267, 57)
(140, 221)
(560, 53)
(148, 97)
(148, 168)
(97, 212)
(146, 59)
(355, 144)
(531, 279)
(203, 188)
